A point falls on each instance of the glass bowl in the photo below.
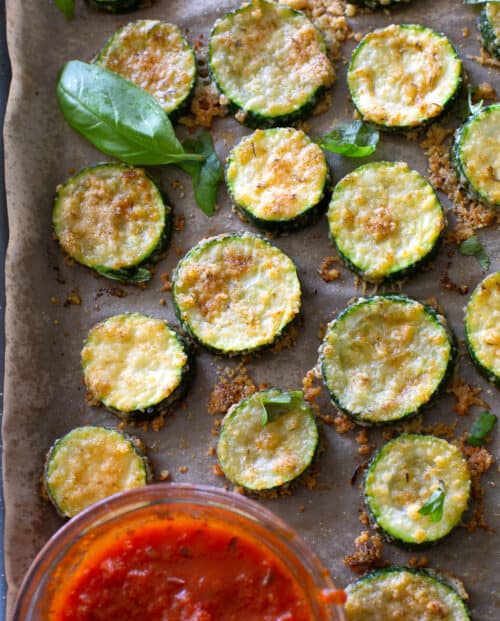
(212, 507)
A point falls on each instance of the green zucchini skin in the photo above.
(136, 339)
(235, 293)
(414, 111)
(482, 320)
(261, 456)
(91, 463)
(378, 4)
(372, 220)
(115, 6)
(396, 477)
(257, 103)
(416, 591)
(278, 179)
(134, 218)
(489, 28)
(354, 383)
(155, 40)
(482, 182)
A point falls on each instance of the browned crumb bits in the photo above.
(470, 214)
(166, 284)
(466, 395)
(73, 298)
(368, 554)
(479, 460)
(183, 469)
(327, 271)
(233, 385)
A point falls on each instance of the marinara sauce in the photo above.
(182, 569)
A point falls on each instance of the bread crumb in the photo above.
(166, 285)
(465, 394)
(233, 385)
(218, 470)
(164, 475)
(73, 298)
(327, 271)
(183, 469)
(368, 554)
(418, 562)
(179, 223)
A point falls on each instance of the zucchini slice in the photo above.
(402, 478)
(112, 218)
(267, 440)
(482, 327)
(136, 366)
(403, 76)
(489, 27)
(385, 357)
(155, 56)
(476, 156)
(92, 463)
(235, 293)
(270, 62)
(115, 6)
(385, 220)
(278, 178)
(404, 593)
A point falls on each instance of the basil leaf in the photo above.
(67, 7)
(205, 175)
(356, 139)
(274, 406)
(481, 427)
(117, 117)
(473, 108)
(472, 247)
(133, 275)
(434, 506)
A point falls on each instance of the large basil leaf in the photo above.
(118, 117)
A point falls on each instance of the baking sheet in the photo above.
(44, 393)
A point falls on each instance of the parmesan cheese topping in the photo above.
(403, 595)
(384, 217)
(483, 323)
(384, 358)
(268, 58)
(154, 56)
(236, 292)
(92, 463)
(131, 362)
(277, 174)
(400, 76)
(403, 477)
(480, 155)
(109, 216)
(261, 456)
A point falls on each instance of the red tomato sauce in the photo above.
(180, 570)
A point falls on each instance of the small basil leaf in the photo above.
(481, 427)
(474, 108)
(274, 406)
(117, 117)
(472, 247)
(205, 175)
(133, 275)
(434, 506)
(356, 139)
(67, 7)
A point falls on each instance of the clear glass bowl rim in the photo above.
(170, 494)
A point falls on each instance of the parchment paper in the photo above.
(44, 393)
